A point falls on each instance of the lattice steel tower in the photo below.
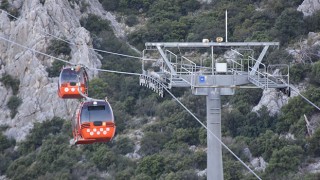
(211, 79)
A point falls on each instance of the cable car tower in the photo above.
(163, 68)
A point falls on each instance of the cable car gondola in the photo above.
(93, 122)
(70, 80)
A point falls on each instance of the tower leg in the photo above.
(214, 151)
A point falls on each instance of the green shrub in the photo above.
(132, 20)
(98, 88)
(55, 154)
(110, 5)
(142, 176)
(58, 47)
(296, 108)
(13, 104)
(152, 142)
(5, 5)
(5, 162)
(260, 146)
(315, 73)
(95, 24)
(84, 6)
(186, 174)
(40, 132)
(233, 169)
(278, 57)
(55, 69)
(124, 145)
(289, 25)
(21, 165)
(103, 157)
(9, 81)
(298, 72)
(5, 142)
(188, 135)
(152, 165)
(313, 22)
(4, 127)
(244, 101)
(314, 144)
(285, 160)
(14, 12)
(125, 174)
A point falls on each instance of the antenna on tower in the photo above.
(226, 25)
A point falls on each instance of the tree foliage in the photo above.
(10, 81)
(13, 104)
(266, 143)
(314, 143)
(152, 143)
(94, 24)
(298, 72)
(290, 117)
(285, 160)
(55, 69)
(39, 132)
(152, 165)
(289, 25)
(315, 73)
(58, 47)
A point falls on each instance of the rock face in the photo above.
(314, 167)
(31, 30)
(308, 7)
(259, 164)
(273, 100)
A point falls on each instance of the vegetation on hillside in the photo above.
(173, 143)
(14, 101)
(59, 48)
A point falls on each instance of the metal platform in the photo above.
(175, 70)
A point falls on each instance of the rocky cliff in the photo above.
(36, 22)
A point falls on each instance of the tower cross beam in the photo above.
(209, 44)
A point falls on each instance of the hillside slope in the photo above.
(156, 138)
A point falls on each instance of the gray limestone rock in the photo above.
(36, 25)
(273, 100)
(308, 7)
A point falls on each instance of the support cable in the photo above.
(59, 59)
(35, 51)
(113, 71)
(219, 140)
(297, 91)
(71, 43)
(137, 74)
(113, 54)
